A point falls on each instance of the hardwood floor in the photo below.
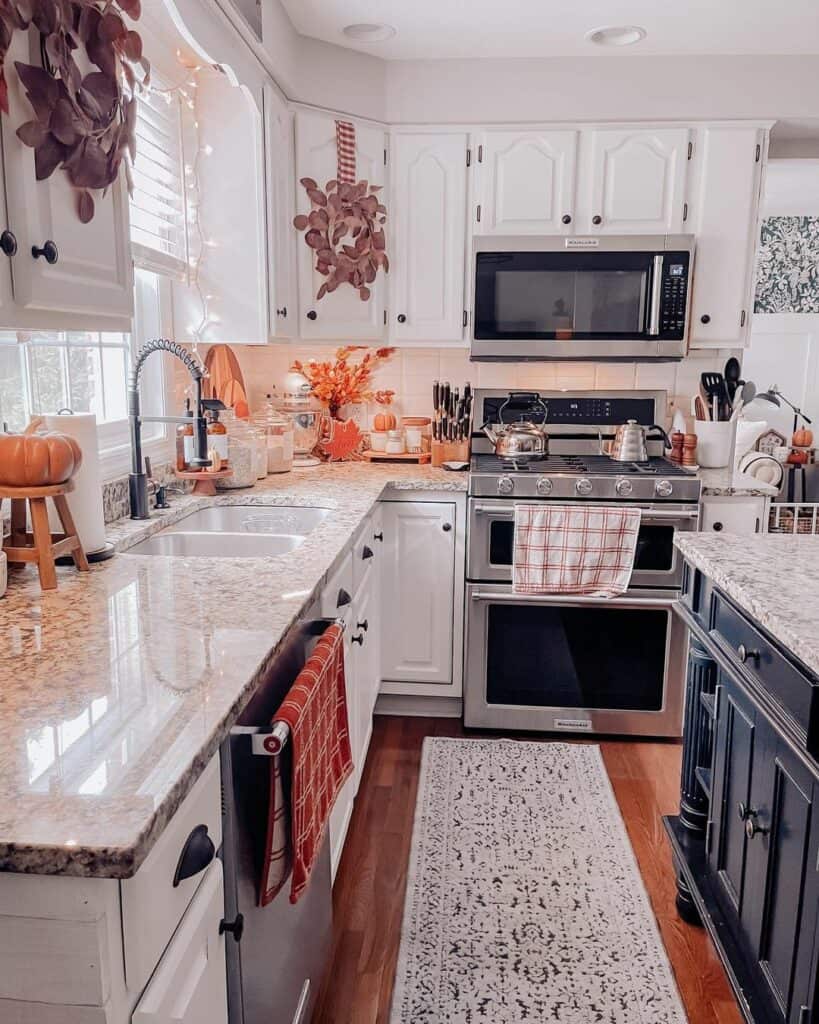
(368, 897)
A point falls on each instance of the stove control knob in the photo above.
(583, 486)
(624, 488)
(663, 488)
(544, 486)
(506, 485)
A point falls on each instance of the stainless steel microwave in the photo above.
(581, 297)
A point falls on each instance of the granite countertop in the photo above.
(724, 482)
(770, 576)
(117, 688)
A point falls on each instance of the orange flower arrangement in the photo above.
(343, 382)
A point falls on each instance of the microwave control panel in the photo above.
(674, 295)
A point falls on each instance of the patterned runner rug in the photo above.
(524, 900)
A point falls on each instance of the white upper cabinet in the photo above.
(83, 269)
(429, 232)
(281, 202)
(341, 314)
(528, 182)
(725, 225)
(636, 181)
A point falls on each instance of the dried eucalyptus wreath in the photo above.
(344, 209)
(83, 123)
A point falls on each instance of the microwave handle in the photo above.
(655, 296)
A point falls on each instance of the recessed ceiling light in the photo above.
(616, 35)
(367, 33)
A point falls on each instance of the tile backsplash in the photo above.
(411, 371)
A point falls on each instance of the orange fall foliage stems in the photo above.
(343, 381)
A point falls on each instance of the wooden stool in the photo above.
(41, 546)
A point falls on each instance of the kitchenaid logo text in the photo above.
(582, 243)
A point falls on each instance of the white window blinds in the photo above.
(158, 206)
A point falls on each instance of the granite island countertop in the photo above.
(117, 688)
(770, 576)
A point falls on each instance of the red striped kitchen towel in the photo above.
(345, 149)
(574, 549)
(315, 709)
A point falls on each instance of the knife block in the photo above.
(449, 451)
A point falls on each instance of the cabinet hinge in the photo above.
(690, 150)
(742, 319)
(758, 153)
(468, 157)
(480, 154)
(478, 215)
(685, 211)
(708, 829)
(466, 318)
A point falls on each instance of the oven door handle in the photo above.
(504, 512)
(567, 599)
(498, 511)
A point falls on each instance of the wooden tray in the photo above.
(419, 457)
(204, 482)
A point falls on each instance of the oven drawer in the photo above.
(657, 562)
(793, 687)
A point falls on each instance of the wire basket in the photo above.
(794, 517)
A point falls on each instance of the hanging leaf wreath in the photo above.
(83, 123)
(345, 211)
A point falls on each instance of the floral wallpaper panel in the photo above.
(787, 272)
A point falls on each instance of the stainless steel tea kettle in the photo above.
(521, 440)
(629, 444)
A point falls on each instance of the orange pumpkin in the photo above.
(38, 460)
(384, 421)
(802, 438)
(797, 458)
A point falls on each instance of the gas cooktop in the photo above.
(582, 476)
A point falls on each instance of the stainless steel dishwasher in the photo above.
(277, 954)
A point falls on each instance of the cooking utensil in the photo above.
(732, 374)
(743, 397)
(629, 444)
(521, 440)
(699, 409)
(713, 384)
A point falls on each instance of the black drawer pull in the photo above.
(8, 243)
(196, 854)
(359, 639)
(597, 219)
(446, 527)
(343, 598)
(282, 312)
(236, 927)
(312, 315)
(752, 828)
(566, 218)
(367, 552)
(365, 625)
(48, 251)
(379, 536)
(745, 655)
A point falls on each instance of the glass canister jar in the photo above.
(278, 434)
(243, 457)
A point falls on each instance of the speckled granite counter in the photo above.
(771, 577)
(117, 688)
(722, 482)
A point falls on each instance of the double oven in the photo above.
(585, 664)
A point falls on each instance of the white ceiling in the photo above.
(556, 28)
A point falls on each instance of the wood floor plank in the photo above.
(368, 897)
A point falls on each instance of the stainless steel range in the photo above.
(576, 664)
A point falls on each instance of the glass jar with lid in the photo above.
(277, 429)
(305, 413)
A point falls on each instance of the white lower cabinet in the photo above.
(728, 514)
(418, 578)
(190, 984)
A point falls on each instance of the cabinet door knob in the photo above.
(402, 319)
(446, 527)
(566, 218)
(718, 527)
(365, 625)
(359, 639)
(752, 827)
(282, 312)
(745, 655)
(312, 315)
(8, 243)
(597, 219)
(379, 536)
(705, 319)
(49, 251)
(196, 854)
(236, 927)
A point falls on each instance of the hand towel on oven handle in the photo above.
(315, 709)
(574, 549)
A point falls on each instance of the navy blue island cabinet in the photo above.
(746, 840)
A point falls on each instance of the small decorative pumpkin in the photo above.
(38, 460)
(802, 438)
(798, 458)
(384, 421)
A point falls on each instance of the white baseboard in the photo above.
(418, 706)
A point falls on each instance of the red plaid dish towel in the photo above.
(315, 709)
(574, 549)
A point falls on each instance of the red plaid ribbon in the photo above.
(574, 549)
(345, 147)
(315, 708)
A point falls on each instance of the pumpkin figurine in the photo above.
(383, 421)
(38, 460)
(802, 438)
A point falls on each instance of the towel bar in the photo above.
(269, 740)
